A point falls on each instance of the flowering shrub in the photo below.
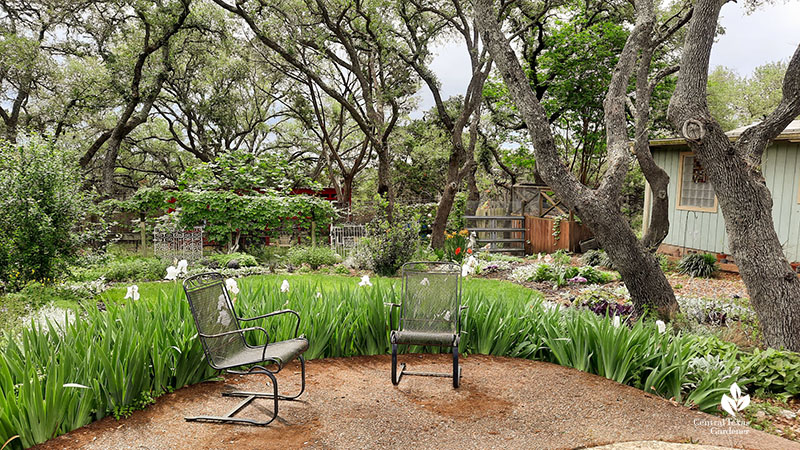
(41, 202)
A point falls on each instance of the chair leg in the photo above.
(265, 395)
(456, 368)
(249, 397)
(395, 377)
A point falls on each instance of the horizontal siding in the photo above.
(706, 231)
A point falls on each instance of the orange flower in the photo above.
(458, 250)
(469, 251)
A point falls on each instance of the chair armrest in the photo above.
(275, 313)
(240, 331)
(391, 306)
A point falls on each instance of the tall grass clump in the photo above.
(54, 379)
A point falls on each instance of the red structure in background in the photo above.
(328, 194)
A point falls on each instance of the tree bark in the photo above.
(599, 209)
(734, 170)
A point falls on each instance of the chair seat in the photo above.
(423, 338)
(281, 352)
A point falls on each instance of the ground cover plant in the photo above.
(109, 362)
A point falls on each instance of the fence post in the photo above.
(144, 234)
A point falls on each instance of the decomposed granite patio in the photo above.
(350, 403)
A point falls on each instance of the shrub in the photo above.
(41, 202)
(774, 371)
(136, 268)
(268, 255)
(603, 303)
(561, 258)
(391, 245)
(501, 257)
(313, 256)
(715, 312)
(359, 257)
(595, 258)
(244, 260)
(486, 267)
(667, 264)
(698, 265)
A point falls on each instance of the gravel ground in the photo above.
(350, 403)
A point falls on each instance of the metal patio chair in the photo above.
(225, 347)
(430, 313)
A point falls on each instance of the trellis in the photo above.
(344, 238)
(180, 244)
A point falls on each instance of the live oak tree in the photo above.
(599, 208)
(343, 151)
(568, 51)
(218, 98)
(734, 170)
(421, 23)
(133, 41)
(321, 40)
(735, 101)
(34, 34)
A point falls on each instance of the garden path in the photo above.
(351, 403)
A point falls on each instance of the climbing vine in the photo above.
(557, 226)
(223, 213)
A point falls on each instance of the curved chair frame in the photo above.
(258, 365)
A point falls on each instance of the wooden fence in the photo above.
(540, 238)
(501, 233)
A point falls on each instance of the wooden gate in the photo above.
(500, 233)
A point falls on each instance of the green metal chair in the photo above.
(430, 313)
(225, 347)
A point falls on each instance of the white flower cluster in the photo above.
(702, 309)
(524, 273)
(174, 272)
(95, 287)
(59, 317)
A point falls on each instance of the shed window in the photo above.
(695, 191)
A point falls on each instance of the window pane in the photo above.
(696, 190)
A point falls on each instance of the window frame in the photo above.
(678, 199)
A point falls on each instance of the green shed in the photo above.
(695, 220)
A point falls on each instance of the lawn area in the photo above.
(497, 290)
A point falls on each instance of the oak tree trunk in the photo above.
(598, 208)
(734, 170)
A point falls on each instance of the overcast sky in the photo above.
(770, 34)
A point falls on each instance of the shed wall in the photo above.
(706, 230)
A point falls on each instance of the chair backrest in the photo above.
(212, 310)
(431, 297)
